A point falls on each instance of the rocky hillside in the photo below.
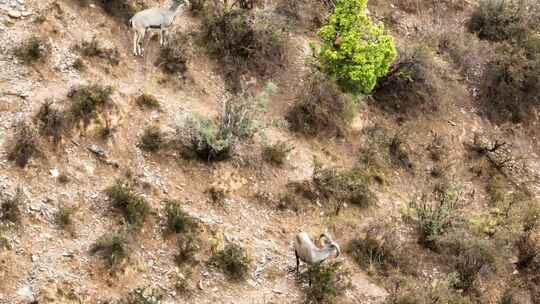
(183, 175)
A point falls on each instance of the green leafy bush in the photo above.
(233, 261)
(134, 207)
(354, 50)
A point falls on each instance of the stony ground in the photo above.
(47, 263)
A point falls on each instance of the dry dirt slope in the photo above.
(46, 262)
(43, 259)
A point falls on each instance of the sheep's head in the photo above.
(329, 242)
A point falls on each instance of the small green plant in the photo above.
(148, 101)
(327, 283)
(433, 215)
(277, 153)
(33, 50)
(321, 109)
(51, 121)
(354, 50)
(212, 141)
(399, 154)
(183, 284)
(142, 296)
(93, 48)
(112, 247)
(24, 144)
(152, 139)
(10, 208)
(188, 246)
(178, 221)
(86, 101)
(134, 207)
(233, 261)
(64, 217)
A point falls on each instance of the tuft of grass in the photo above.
(178, 221)
(183, 284)
(327, 283)
(399, 153)
(24, 144)
(321, 108)
(379, 249)
(93, 48)
(142, 296)
(233, 261)
(148, 101)
(32, 50)
(173, 57)
(51, 121)
(112, 248)
(188, 246)
(211, 141)
(64, 217)
(432, 215)
(86, 101)
(277, 153)
(134, 207)
(152, 139)
(343, 186)
(10, 208)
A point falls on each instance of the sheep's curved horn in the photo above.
(338, 250)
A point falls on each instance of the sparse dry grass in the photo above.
(133, 206)
(321, 108)
(33, 50)
(24, 144)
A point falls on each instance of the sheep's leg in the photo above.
(135, 41)
(161, 38)
(297, 263)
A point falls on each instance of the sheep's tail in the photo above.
(130, 22)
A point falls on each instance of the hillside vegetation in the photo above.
(406, 130)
